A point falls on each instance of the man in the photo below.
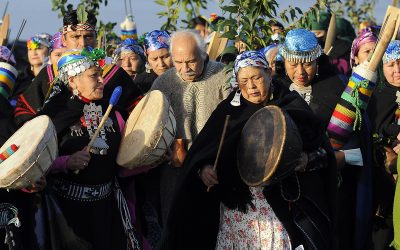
(77, 34)
(194, 87)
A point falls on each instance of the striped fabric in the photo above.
(347, 115)
(8, 76)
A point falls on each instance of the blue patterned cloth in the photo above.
(300, 46)
(156, 40)
(249, 59)
(129, 45)
(392, 52)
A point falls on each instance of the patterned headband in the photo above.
(366, 36)
(156, 40)
(75, 62)
(249, 59)
(78, 27)
(300, 46)
(392, 52)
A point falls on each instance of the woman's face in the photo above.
(391, 70)
(56, 54)
(130, 62)
(89, 83)
(159, 60)
(254, 83)
(301, 73)
(36, 56)
(363, 53)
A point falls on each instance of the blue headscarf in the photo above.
(156, 40)
(249, 59)
(392, 52)
(129, 45)
(300, 46)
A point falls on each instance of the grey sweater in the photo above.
(193, 102)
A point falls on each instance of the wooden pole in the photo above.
(331, 34)
(221, 142)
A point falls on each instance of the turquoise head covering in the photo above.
(392, 52)
(300, 45)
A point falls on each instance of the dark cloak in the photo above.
(193, 221)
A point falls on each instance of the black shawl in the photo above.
(194, 216)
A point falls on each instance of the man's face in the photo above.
(79, 39)
(187, 59)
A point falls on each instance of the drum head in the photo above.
(143, 130)
(35, 138)
(262, 145)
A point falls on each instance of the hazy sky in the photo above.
(42, 19)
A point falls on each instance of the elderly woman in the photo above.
(250, 217)
(90, 213)
(384, 110)
(311, 76)
(130, 56)
(158, 59)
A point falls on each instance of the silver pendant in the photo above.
(236, 99)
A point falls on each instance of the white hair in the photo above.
(201, 45)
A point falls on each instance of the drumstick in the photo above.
(221, 142)
(113, 100)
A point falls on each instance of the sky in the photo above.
(40, 17)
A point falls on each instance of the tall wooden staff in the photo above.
(331, 35)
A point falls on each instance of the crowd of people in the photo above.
(326, 198)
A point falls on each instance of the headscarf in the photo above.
(39, 40)
(300, 45)
(267, 50)
(129, 45)
(56, 42)
(5, 53)
(76, 61)
(249, 59)
(366, 36)
(392, 52)
(156, 40)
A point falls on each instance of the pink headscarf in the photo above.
(56, 42)
(366, 36)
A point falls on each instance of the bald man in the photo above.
(194, 87)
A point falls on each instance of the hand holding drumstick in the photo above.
(208, 174)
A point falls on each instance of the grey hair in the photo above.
(201, 45)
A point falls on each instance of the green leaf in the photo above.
(81, 14)
(160, 2)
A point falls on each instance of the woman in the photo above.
(130, 56)
(158, 59)
(38, 56)
(362, 47)
(90, 217)
(56, 49)
(384, 112)
(193, 220)
(148, 184)
(310, 74)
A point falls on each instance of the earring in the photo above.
(75, 92)
(236, 100)
(148, 68)
(317, 74)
